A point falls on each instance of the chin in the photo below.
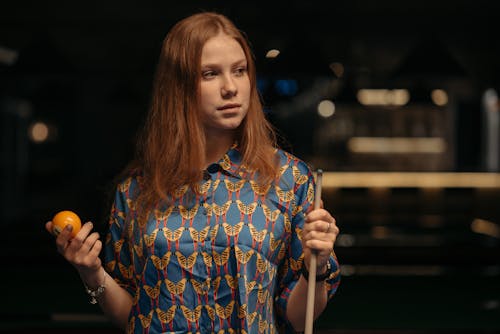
(231, 127)
(232, 124)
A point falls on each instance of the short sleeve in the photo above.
(118, 253)
(304, 187)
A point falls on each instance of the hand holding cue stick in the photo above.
(311, 283)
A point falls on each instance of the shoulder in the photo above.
(293, 171)
(295, 177)
(290, 161)
(130, 182)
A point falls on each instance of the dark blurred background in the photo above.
(396, 100)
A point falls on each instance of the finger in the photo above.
(320, 246)
(319, 221)
(319, 226)
(319, 214)
(63, 238)
(48, 226)
(89, 242)
(320, 230)
(80, 237)
(85, 230)
(91, 258)
(330, 228)
(320, 236)
(334, 229)
(96, 249)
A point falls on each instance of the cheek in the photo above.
(245, 89)
(206, 96)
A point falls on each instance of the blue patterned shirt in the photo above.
(223, 260)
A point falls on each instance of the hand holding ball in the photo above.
(64, 218)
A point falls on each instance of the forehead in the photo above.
(222, 48)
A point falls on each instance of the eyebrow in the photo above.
(238, 62)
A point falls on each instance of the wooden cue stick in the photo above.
(311, 283)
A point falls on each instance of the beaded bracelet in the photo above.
(95, 293)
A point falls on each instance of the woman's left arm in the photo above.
(318, 234)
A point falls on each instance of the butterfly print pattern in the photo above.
(223, 259)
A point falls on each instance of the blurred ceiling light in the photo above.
(491, 107)
(8, 56)
(491, 304)
(273, 53)
(439, 97)
(490, 100)
(345, 240)
(286, 87)
(347, 270)
(383, 97)
(434, 145)
(326, 108)
(38, 132)
(485, 227)
(337, 69)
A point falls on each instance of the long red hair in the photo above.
(171, 148)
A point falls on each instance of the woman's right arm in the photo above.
(82, 252)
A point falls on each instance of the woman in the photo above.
(212, 228)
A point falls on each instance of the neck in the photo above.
(216, 147)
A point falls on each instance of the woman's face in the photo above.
(224, 85)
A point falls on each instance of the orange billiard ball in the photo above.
(64, 218)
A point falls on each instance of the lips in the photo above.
(229, 106)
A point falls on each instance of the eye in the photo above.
(239, 71)
(208, 74)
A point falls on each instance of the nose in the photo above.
(229, 87)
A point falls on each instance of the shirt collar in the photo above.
(231, 162)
